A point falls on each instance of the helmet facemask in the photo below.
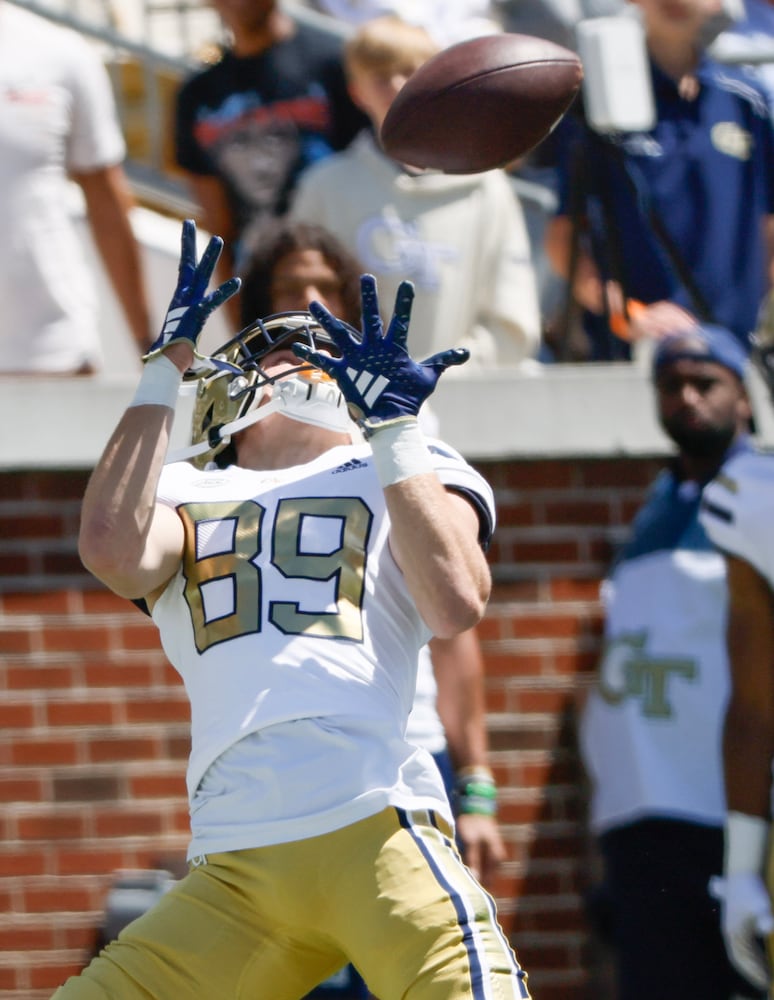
(226, 401)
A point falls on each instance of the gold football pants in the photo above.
(389, 893)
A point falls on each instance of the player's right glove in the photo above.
(746, 911)
(191, 305)
(378, 378)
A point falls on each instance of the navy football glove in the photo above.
(191, 305)
(377, 377)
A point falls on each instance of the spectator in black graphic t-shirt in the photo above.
(247, 125)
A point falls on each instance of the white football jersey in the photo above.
(738, 507)
(651, 730)
(289, 607)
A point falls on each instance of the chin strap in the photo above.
(318, 403)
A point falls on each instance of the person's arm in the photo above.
(128, 540)
(108, 202)
(458, 667)
(748, 736)
(434, 539)
(434, 534)
(748, 751)
(459, 672)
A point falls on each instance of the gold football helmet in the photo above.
(227, 401)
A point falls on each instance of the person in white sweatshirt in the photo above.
(461, 239)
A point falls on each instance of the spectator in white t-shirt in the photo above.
(58, 122)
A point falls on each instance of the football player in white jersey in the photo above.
(298, 262)
(737, 513)
(294, 573)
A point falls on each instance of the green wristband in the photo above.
(477, 797)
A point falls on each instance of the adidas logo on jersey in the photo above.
(351, 466)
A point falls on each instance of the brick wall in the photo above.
(93, 721)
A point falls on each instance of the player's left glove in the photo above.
(376, 375)
(191, 306)
(746, 919)
(746, 916)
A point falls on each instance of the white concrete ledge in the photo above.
(563, 410)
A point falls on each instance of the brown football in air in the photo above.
(481, 103)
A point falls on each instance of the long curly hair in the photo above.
(286, 236)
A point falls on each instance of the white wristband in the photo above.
(746, 843)
(159, 383)
(400, 451)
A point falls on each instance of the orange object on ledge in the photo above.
(619, 323)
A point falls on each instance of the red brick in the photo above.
(140, 636)
(552, 626)
(52, 484)
(172, 709)
(578, 662)
(48, 603)
(77, 638)
(127, 823)
(545, 551)
(102, 751)
(39, 525)
(61, 896)
(519, 812)
(16, 564)
(537, 475)
(75, 713)
(18, 863)
(178, 747)
(118, 673)
(521, 591)
(44, 751)
(9, 980)
(92, 858)
(512, 664)
(515, 514)
(20, 789)
(81, 938)
(167, 786)
(16, 640)
(522, 738)
(620, 473)
(18, 716)
(578, 511)
(87, 788)
(569, 589)
(538, 700)
(21, 676)
(628, 508)
(52, 827)
(180, 819)
(101, 601)
(57, 563)
(21, 938)
(49, 977)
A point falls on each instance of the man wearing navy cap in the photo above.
(651, 729)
